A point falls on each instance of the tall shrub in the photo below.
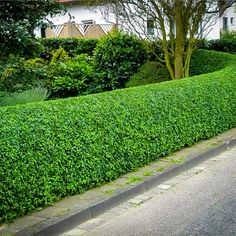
(116, 58)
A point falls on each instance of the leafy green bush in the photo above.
(59, 55)
(52, 149)
(117, 57)
(33, 95)
(18, 74)
(149, 73)
(70, 77)
(203, 62)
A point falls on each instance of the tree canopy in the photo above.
(19, 18)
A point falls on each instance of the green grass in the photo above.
(28, 96)
(109, 192)
(148, 173)
(161, 169)
(134, 179)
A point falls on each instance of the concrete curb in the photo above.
(58, 225)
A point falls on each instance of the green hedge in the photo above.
(73, 46)
(149, 73)
(52, 149)
(221, 45)
(206, 61)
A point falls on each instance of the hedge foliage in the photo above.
(206, 61)
(52, 149)
(149, 73)
(221, 45)
(116, 58)
(73, 46)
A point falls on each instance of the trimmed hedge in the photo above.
(221, 45)
(73, 46)
(149, 73)
(52, 149)
(206, 61)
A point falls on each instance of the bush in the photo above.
(33, 95)
(52, 149)
(70, 77)
(203, 62)
(59, 55)
(117, 57)
(18, 74)
(221, 45)
(149, 73)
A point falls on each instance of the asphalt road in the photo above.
(204, 204)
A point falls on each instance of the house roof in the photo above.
(67, 1)
(79, 1)
(74, 1)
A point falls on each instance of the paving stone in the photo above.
(164, 186)
(182, 177)
(143, 197)
(135, 201)
(199, 168)
(173, 181)
(75, 232)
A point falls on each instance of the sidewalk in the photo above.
(69, 212)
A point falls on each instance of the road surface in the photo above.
(200, 201)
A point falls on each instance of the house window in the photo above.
(43, 32)
(232, 20)
(225, 23)
(150, 27)
(86, 24)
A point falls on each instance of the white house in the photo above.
(226, 21)
(79, 21)
(228, 18)
(93, 22)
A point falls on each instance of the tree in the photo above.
(175, 24)
(19, 18)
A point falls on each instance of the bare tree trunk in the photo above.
(179, 46)
(188, 59)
